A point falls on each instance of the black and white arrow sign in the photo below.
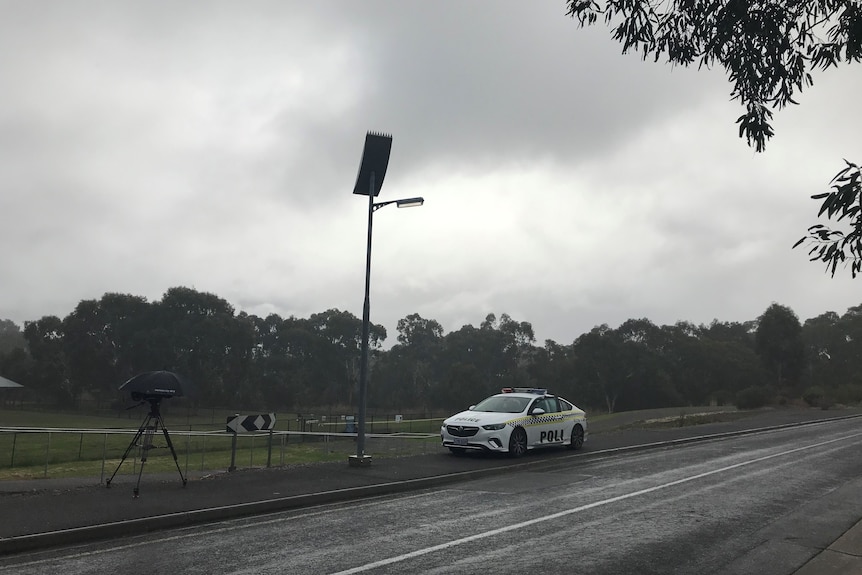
(250, 423)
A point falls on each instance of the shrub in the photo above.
(813, 396)
(752, 397)
(849, 393)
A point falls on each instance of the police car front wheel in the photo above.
(518, 442)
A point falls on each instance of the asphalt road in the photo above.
(762, 503)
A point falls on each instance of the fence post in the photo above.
(14, 440)
(104, 456)
(269, 451)
(188, 448)
(232, 453)
(203, 452)
(47, 454)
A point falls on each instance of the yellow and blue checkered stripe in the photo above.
(546, 418)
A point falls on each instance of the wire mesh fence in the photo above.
(28, 452)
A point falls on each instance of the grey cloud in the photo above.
(215, 145)
(518, 82)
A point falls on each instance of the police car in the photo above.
(514, 421)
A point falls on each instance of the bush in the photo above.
(723, 397)
(849, 393)
(752, 397)
(813, 396)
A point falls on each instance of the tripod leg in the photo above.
(129, 448)
(145, 448)
(173, 451)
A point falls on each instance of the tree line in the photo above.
(241, 361)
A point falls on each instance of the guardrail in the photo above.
(33, 452)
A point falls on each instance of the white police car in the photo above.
(514, 421)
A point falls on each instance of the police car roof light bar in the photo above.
(533, 390)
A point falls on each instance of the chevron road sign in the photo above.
(250, 423)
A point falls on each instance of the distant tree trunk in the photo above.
(611, 401)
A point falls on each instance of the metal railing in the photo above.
(33, 452)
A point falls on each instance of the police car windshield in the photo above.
(503, 404)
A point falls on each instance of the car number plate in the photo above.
(460, 441)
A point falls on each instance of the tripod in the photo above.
(152, 423)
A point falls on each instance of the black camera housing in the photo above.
(156, 394)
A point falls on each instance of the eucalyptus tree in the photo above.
(475, 354)
(128, 330)
(413, 366)
(11, 337)
(401, 382)
(653, 361)
(742, 333)
(204, 342)
(237, 341)
(824, 340)
(341, 331)
(601, 366)
(552, 366)
(718, 369)
(106, 341)
(778, 342)
(50, 375)
(498, 351)
(90, 357)
(845, 357)
(418, 332)
(284, 360)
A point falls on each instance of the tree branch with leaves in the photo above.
(843, 203)
(768, 49)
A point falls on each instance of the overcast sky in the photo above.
(215, 145)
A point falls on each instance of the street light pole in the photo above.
(361, 458)
(375, 159)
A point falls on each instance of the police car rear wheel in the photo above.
(577, 437)
(518, 442)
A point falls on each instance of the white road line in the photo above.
(493, 532)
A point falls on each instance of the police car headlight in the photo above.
(494, 426)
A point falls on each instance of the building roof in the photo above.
(8, 383)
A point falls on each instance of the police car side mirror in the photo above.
(537, 411)
(471, 408)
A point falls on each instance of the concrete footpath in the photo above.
(38, 514)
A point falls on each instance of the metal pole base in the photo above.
(359, 460)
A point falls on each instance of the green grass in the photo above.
(161, 461)
(80, 455)
(36, 454)
(694, 419)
